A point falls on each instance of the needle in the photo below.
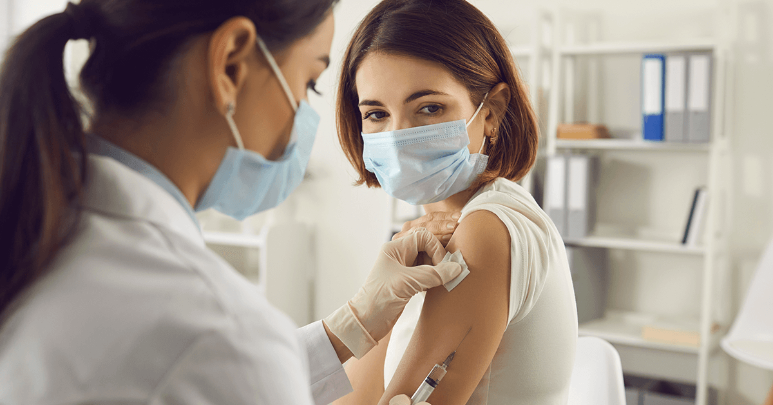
(451, 356)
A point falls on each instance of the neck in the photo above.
(169, 144)
(451, 204)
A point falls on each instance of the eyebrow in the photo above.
(423, 93)
(326, 60)
(415, 96)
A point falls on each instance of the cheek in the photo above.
(475, 132)
(370, 127)
(264, 118)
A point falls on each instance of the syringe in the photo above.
(433, 378)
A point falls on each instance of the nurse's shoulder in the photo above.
(136, 308)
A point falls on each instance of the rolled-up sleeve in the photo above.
(328, 378)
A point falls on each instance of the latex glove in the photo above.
(403, 399)
(371, 314)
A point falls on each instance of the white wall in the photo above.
(24, 13)
(5, 24)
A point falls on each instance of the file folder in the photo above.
(699, 98)
(580, 196)
(555, 195)
(676, 98)
(653, 89)
(590, 281)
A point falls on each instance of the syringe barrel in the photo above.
(421, 394)
(430, 383)
(437, 373)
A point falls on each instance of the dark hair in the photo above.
(458, 36)
(42, 142)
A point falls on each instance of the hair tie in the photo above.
(79, 21)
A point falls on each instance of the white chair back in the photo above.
(597, 376)
(751, 337)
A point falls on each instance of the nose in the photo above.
(400, 122)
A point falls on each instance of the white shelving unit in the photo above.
(625, 328)
(633, 145)
(234, 239)
(537, 54)
(636, 244)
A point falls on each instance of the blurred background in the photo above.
(660, 269)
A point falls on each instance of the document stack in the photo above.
(571, 198)
(676, 97)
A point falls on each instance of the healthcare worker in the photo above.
(108, 293)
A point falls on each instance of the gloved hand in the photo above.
(404, 400)
(371, 314)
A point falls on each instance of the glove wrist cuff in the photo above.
(347, 327)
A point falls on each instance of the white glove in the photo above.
(371, 314)
(403, 399)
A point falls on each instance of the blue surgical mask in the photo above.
(246, 182)
(423, 165)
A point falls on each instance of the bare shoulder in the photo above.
(484, 241)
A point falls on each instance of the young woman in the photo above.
(108, 293)
(431, 109)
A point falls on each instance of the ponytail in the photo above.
(42, 155)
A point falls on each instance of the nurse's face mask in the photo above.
(425, 164)
(246, 182)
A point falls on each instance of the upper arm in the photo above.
(479, 305)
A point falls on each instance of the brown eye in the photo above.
(431, 109)
(374, 115)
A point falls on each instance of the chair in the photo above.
(597, 376)
(750, 339)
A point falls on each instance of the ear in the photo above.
(229, 48)
(497, 102)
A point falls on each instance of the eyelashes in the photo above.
(378, 115)
(312, 85)
(370, 114)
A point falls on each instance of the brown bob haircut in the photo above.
(458, 36)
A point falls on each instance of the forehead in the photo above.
(385, 76)
(312, 46)
(322, 37)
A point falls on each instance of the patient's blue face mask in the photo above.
(247, 183)
(426, 164)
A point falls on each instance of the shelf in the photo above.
(233, 239)
(623, 48)
(635, 244)
(625, 328)
(628, 144)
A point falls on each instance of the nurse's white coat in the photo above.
(137, 310)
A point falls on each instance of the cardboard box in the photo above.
(582, 131)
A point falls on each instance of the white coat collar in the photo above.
(113, 188)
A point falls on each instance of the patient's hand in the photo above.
(441, 224)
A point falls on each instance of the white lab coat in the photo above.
(136, 309)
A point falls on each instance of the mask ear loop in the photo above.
(229, 116)
(483, 144)
(473, 119)
(477, 111)
(277, 72)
